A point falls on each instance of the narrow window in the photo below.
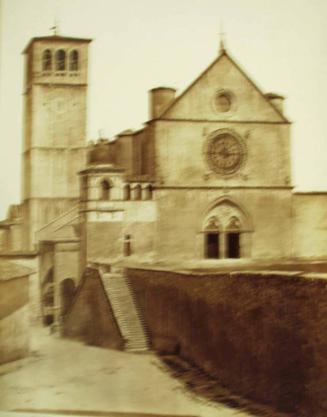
(73, 61)
(233, 238)
(212, 245)
(148, 192)
(47, 60)
(105, 190)
(127, 245)
(127, 192)
(137, 192)
(60, 60)
(233, 245)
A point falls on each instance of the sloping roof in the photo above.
(10, 270)
(55, 38)
(222, 54)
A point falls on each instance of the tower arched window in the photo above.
(60, 60)
(105, 190)
(47, 60)
(73, 60)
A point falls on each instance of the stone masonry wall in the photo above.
(90, 318)
(262, 336)
(14, 319)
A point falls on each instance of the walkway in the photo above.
(67, 375)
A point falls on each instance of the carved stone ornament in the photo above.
(225, 153)
(212, 224)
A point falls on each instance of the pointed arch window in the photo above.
(73, 60)
(227, 231)
(60, 60)
(47, 60)
(233, 236)
(105, 190)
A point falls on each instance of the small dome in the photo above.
(102, 153)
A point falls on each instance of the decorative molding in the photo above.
(265, 122)
(225, 152)
(224, 188)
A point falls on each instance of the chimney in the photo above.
(159, 100)
(276, 100)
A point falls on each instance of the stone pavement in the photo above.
(67, 377)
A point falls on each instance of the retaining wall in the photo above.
(261, 335)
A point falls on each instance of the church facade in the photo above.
(208, 176)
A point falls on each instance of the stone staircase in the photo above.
(125, 311)
(61, 226)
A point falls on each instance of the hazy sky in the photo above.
(140, 44)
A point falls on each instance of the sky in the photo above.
(141, 44)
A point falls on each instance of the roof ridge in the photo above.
(222, 53)
(55, 38)
(235, 63)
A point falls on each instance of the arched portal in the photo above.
(226, 228)
(67, 292)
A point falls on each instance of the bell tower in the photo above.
(55, 94)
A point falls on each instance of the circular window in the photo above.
(222, 101)
(225, 153)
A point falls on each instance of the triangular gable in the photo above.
(249, 103)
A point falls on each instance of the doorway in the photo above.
(212, 245)
(233, 245)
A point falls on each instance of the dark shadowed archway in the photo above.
(67, 292)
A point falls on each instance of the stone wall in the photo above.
(182, 132)
(105, 231)
(261, 335)
(90, 318)
(30, 261)
(178, 143)
(182, 212)
(14, 319)
(310, 225)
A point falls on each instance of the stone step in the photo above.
(124, 308)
